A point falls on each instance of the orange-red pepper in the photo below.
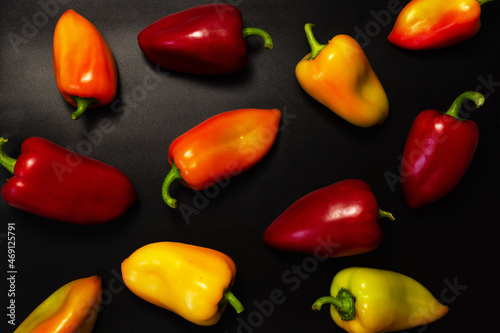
(84, 66)
(220, 147)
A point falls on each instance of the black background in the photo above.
(450, 246)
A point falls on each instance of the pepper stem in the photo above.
(268, 42)
(474, 96)
(83, 104)
(313, 43)
(382, 214)
(482, 2)
(228, 297)
(343, 303)
(6, 161)
(173, 175)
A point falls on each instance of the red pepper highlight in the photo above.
(438, 152)
(344, 215)
(58, 184)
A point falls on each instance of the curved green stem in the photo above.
(6, 161)
(268, 42)
(228, 297)
(482, 2)
(382, 214)
(343, 303)
(82, 105)
(313, 43)
(173, 175)
(474, 96)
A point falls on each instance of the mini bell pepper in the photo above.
(438, 152)
(206, 39)
(56, 183)
(430, 24)
(344, 214)
(368, 300)
(84, 66)
(73, 308)
(192, 281)
(220, 147)
(339, 76)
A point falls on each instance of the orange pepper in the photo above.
(84, 66)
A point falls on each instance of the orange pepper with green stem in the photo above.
(84, 66)
(339, 76)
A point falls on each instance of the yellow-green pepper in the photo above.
(371, 300)
(191, 281)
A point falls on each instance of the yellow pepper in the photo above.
(339, 76)
(72, 308)
(372, 300)
(191, 281)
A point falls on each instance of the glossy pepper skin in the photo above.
(438, 151)
(344, 213)
(430, 24)
(73, 308)
(368, 300)
(339, 76)
(84, 66)
(220, 147)
(206, 39)
(58, 184)
(191, 281)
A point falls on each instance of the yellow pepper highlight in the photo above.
(339, 76)
(191, 281)
(73, 308)
(372, 300)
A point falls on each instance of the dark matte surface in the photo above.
(450, 246)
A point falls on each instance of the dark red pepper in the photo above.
(206, 39)
(58, 184)
(337, 220)
(438, 151)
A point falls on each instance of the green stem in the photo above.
(228, 297)
(382, 214)
(268, 42)
(6, 161)
(343, 303)
(172, 176)
(482, 2)
(83, 104)
(474, 96)
(313, 43)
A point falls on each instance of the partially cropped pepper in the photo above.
(438, 152)
(368, 300)
(220, 147)
(73, 308)
(192, 281)
(345, 214)
(339, 76)
(84, 66)
(430, 24)
(206, 39)
(56, 183)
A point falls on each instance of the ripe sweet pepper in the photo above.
(84, 66)
(345, 214)
(339, 76)
(220, 147)
(73, 308)
(430, 24)
(368, 300)
(438, 152)
(56, 183)
(206, 39)
(192, 281)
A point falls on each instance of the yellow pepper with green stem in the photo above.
(191, 281)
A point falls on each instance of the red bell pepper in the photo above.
(340, 219)
(438, 151)
(206, 39)
(431, 24)
(56, 183)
